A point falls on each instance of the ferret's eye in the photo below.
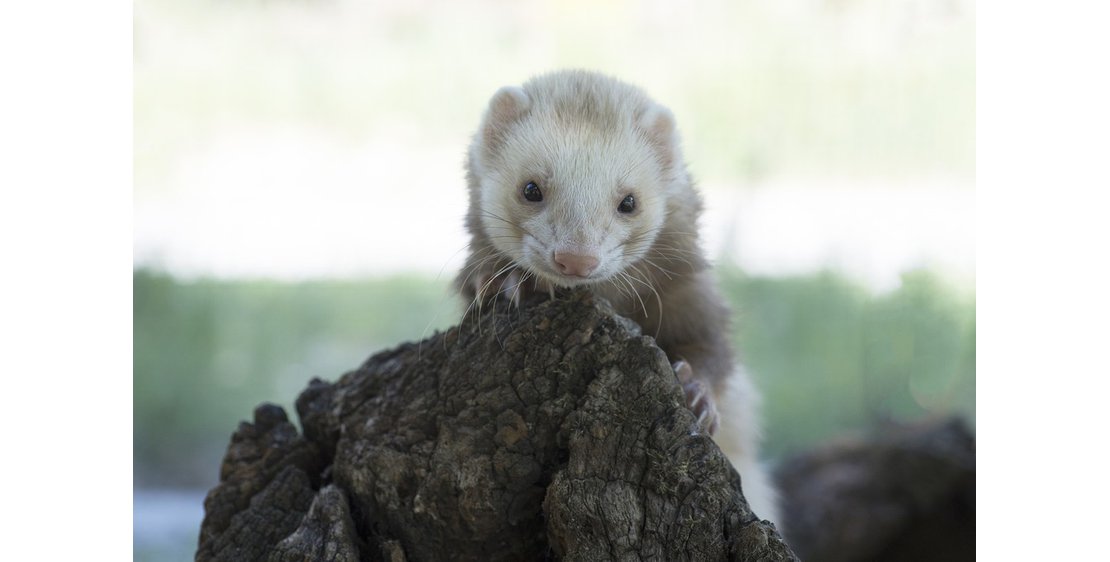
(532, 192)
(627, 205)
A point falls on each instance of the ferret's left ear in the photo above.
(658, 125)
(505, 108)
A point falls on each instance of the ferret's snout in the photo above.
(575, 264)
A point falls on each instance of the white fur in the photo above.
(584, 170)
(739, 436)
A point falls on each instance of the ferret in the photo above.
(577, 179)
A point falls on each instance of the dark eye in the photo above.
(627, 205)
(532, 192)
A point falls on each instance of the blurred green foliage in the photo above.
(828, 355)
(207, 351)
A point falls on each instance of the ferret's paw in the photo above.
(512, 288)
(507, 286)
(699, 398)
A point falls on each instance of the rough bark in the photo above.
(556, 431)
(907, 494)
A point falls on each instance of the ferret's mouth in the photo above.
(568, 281)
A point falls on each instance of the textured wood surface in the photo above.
(554, 431)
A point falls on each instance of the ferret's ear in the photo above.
(657, 123)
(506, 106)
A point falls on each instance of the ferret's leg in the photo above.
(509, 284)
(489, 287)
(693, 329)
(694, 333)
(487, 276)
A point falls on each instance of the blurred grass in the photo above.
(207, 351)
(828, 355)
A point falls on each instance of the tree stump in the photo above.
(552, 431)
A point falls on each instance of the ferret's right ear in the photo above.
(658, 125)
(506, 106)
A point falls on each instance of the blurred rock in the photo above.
(905, 494)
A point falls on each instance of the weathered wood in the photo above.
(555, 431)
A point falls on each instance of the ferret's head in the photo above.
(571, 175)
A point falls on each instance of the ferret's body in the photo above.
(578, 179)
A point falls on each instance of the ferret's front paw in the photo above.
(508, 286)
(699, 398)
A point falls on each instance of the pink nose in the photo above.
(577, 265)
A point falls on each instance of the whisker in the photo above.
(658, 300)
(439, 306)
(479, 295)
(507, 221)
(666, 272)
(628, 279)
(621, 288)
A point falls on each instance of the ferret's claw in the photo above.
(698, 397)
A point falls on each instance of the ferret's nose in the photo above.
(578, 265)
